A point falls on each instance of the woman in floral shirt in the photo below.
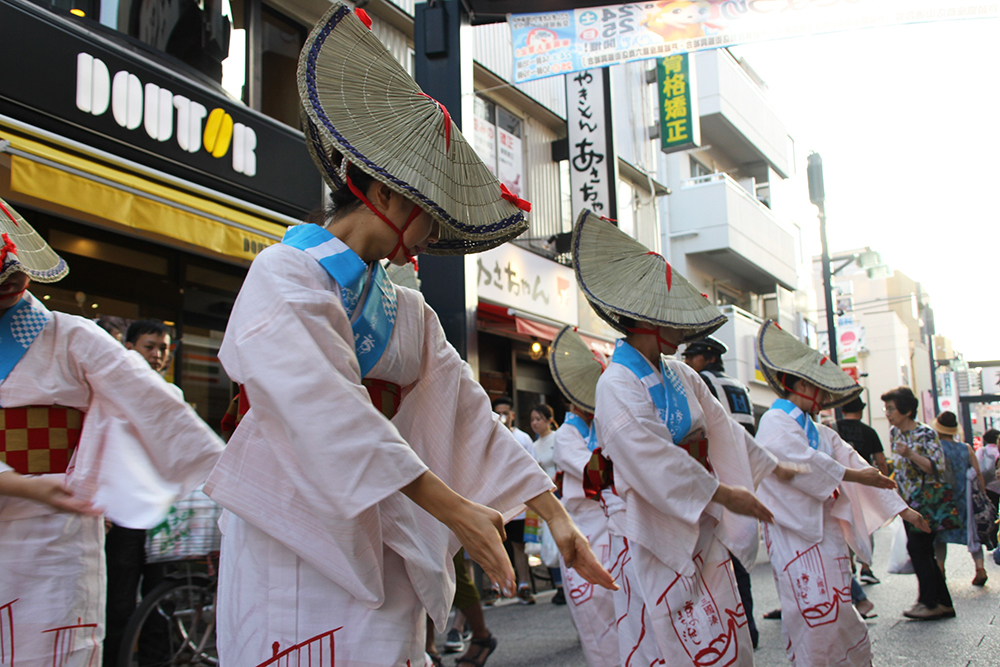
(917, 453)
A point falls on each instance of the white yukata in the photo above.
(140, 447)
(591, 607)
(324, 561)
(816, 519)
(677, 603)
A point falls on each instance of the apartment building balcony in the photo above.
(736, 116)
(715, 217)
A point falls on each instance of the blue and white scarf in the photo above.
(588, 433)
(369, 297)
(801, 418)
(19, 327)
(669, 395)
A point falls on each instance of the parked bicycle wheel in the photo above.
(174, 626)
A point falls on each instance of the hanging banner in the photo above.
(559, 42)
(680, 127)
(593, 164)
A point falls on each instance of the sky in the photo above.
(907, 120)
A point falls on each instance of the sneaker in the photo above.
(922, 612)
(454, 643)
(489, 598)
(467, 634)
(525, 596)
(868, 578)
(559, 597)
(981, 577)
(946, 611)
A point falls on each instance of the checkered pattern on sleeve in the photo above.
(39, 440)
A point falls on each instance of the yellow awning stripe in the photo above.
(88, 186)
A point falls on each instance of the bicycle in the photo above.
(174, 625)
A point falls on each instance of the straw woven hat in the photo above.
(575, 367)
(780, 352)
(622, 278)
(23, 249)
(360, 104)
(946, 423)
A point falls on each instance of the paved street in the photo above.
(542, 635)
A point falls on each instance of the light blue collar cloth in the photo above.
(668, 394)
(588, 433)
(368, 296)
(801, 418)
(19, 327)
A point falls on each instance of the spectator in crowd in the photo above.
(965, 470)
(468, 609)
(504, 406)
(125, 548)
(543, 423)
(988, 456)
(919, 463)
(867, 444)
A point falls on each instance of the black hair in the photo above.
(906, 402)
(787, 382)
(503, 400)
(140, 327)
(991, 436)
(343, 200)
(545, 411)
(947, 419)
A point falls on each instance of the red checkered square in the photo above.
(39, 440)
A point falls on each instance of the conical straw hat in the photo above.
(780, 352)
(363, 106)
(622, 278)
(575, 367)
(26, 251)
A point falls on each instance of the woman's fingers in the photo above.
(587, 566)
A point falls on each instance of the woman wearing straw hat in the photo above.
(817, 516)
(680, 464)
(576, 370)
(961, 458)
(359, 469)
(86, 427)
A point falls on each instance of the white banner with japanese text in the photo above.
(560, 42)
(517, 278)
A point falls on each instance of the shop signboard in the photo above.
(90, 88)
(990, 379)
(561, 39)
(593, 172)
(484, 134)
(680, 127)
(514, 277)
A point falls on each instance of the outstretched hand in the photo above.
(869, 477)
(577, 554)
(738, 500)
(54, 493)
(786, 472)
(914, 517)
(480, 530)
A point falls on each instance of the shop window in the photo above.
(281, 42)
(698, 169)
(498, 139)
(108, 252)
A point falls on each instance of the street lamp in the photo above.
(817, 195)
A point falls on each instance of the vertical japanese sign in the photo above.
(484, 133)
(510, 155)
(593, 163)
(678, 108)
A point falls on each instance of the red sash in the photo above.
(598, 475)
(385, 396)
(39, 440)
(696, 444)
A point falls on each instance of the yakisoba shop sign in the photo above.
(163, 115)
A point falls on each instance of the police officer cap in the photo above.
(707, 345)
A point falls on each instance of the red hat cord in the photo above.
(670, 272)
(522, 204)
(9, 214)
(816, 405)
(414, 212)
(8, 246)
(655, 331)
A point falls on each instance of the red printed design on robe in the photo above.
(816, 595)
(64, 643)
(318, 651)
(708, 633)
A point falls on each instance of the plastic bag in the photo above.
(549, 549)
(899, 558)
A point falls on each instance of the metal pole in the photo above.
(831, 323)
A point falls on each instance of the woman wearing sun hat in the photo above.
(680, 464)
(86, 427)
(576, 370)
(818, 515)
(341, 523)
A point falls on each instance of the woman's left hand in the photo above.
(577, 554)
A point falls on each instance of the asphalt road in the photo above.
(542, 635)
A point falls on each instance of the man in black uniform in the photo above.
(705, 356)
(866, 442)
